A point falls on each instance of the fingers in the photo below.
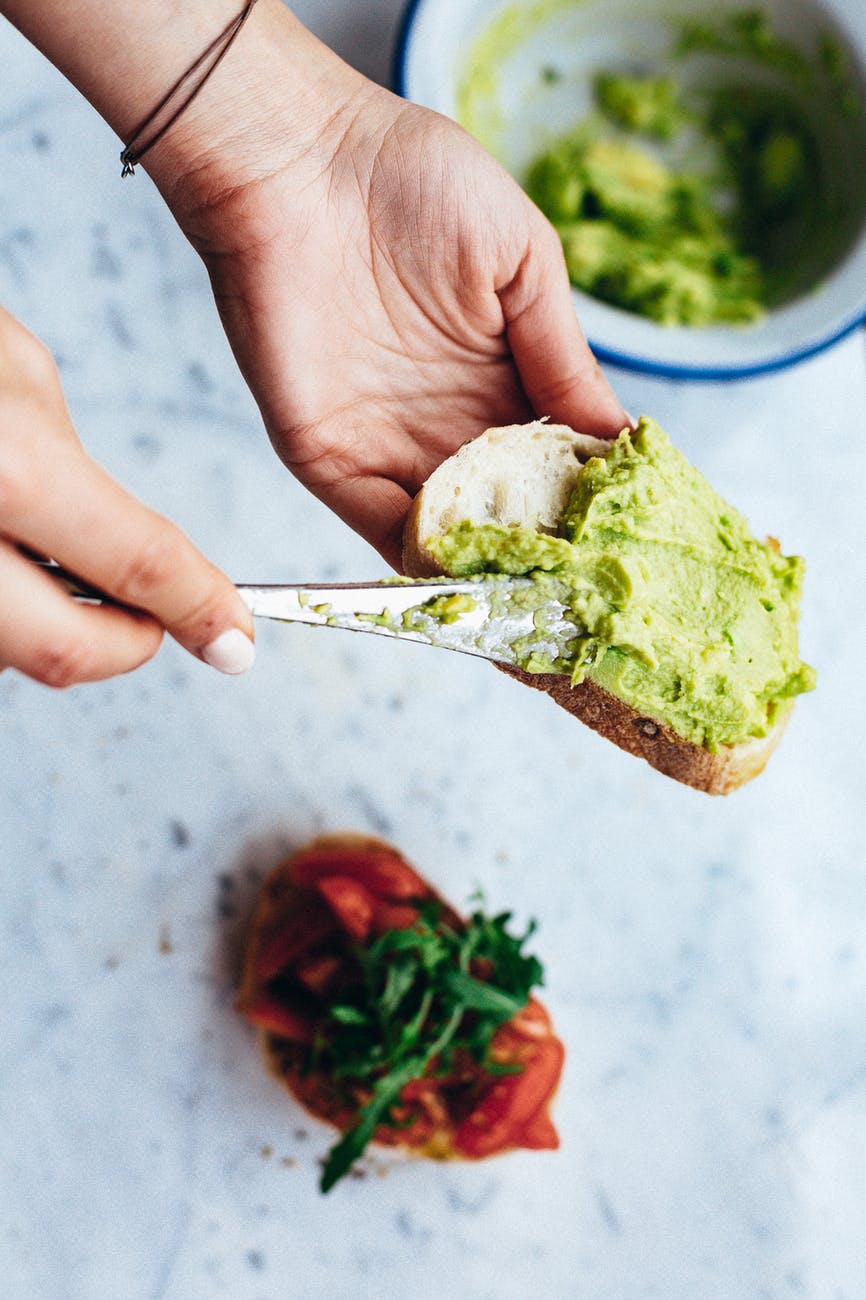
(47, 636)
(58, 502)
(561, 376)
(98, 530)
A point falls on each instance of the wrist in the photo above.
(276, 101)
(275, 94)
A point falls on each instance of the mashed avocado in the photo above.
(644, 237)
(711, 180)
(679, 611)
(646, 104)
(680, 246)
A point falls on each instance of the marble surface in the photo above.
(706, 959)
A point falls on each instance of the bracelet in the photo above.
(197, 73)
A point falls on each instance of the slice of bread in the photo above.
(521, 474)
(524, 475)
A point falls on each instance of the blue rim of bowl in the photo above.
(627, 360)
(769, 366)
(401, 47)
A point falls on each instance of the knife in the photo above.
(506, 619)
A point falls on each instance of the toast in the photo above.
(391, 1017)
(523, 475)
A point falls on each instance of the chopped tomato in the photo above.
(295, 935)
(274, 1015)
(511, 1102)
(318, 972)
(351, 902)
(393, 916)
(382, 870)
(532, 1022)
(540, 1134)
(419, 1115)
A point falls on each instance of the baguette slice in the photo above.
(524, 475)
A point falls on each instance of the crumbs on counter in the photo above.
(181, 836)
(226, 901)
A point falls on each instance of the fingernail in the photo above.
(231, 652)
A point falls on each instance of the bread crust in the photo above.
(714, 773)
(433, 510)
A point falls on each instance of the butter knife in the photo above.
(492, 616)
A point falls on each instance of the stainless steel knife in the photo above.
(501, 618)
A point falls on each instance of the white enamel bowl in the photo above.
(431, 56)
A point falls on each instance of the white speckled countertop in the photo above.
(706, 959)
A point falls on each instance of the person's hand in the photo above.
(387, 289)
(58, 503)
(388, 293)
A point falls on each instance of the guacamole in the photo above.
(712, 178)
(644, 237)
(678, 610)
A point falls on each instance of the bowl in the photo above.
(519, 75)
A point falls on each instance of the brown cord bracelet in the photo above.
(197, 73)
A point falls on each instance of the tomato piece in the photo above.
(384, 873)
(393, 916)
(351, 902)
(532, 1022)
(511, 1101)
(317, 972)
(540, 1133)
(277, 1018)
(295, 935)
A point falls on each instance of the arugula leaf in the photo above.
(348, 1015)
(420, 996)
(481, 996)
(352, 1144)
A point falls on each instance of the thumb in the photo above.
(560, 375)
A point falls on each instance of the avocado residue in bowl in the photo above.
(644, 237)
(711, 184)
(680, 612)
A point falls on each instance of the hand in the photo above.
(388, 295)
(56, 501)
(387, 289)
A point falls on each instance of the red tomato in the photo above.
(384, 873)
(393, 916)
(532, 1022)
(540, 1134)
(318, 972)
(511, 1101)
(295, 935)
(278, 1018)
(351, 902)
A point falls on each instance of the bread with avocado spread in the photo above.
(686, 649)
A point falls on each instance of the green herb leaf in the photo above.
(352, 1144)
(348, 1015)
(481, 996)
(420, 996)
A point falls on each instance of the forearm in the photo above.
(125, 55)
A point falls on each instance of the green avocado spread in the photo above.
(679, 611)
(711, 178)
(642, 236)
